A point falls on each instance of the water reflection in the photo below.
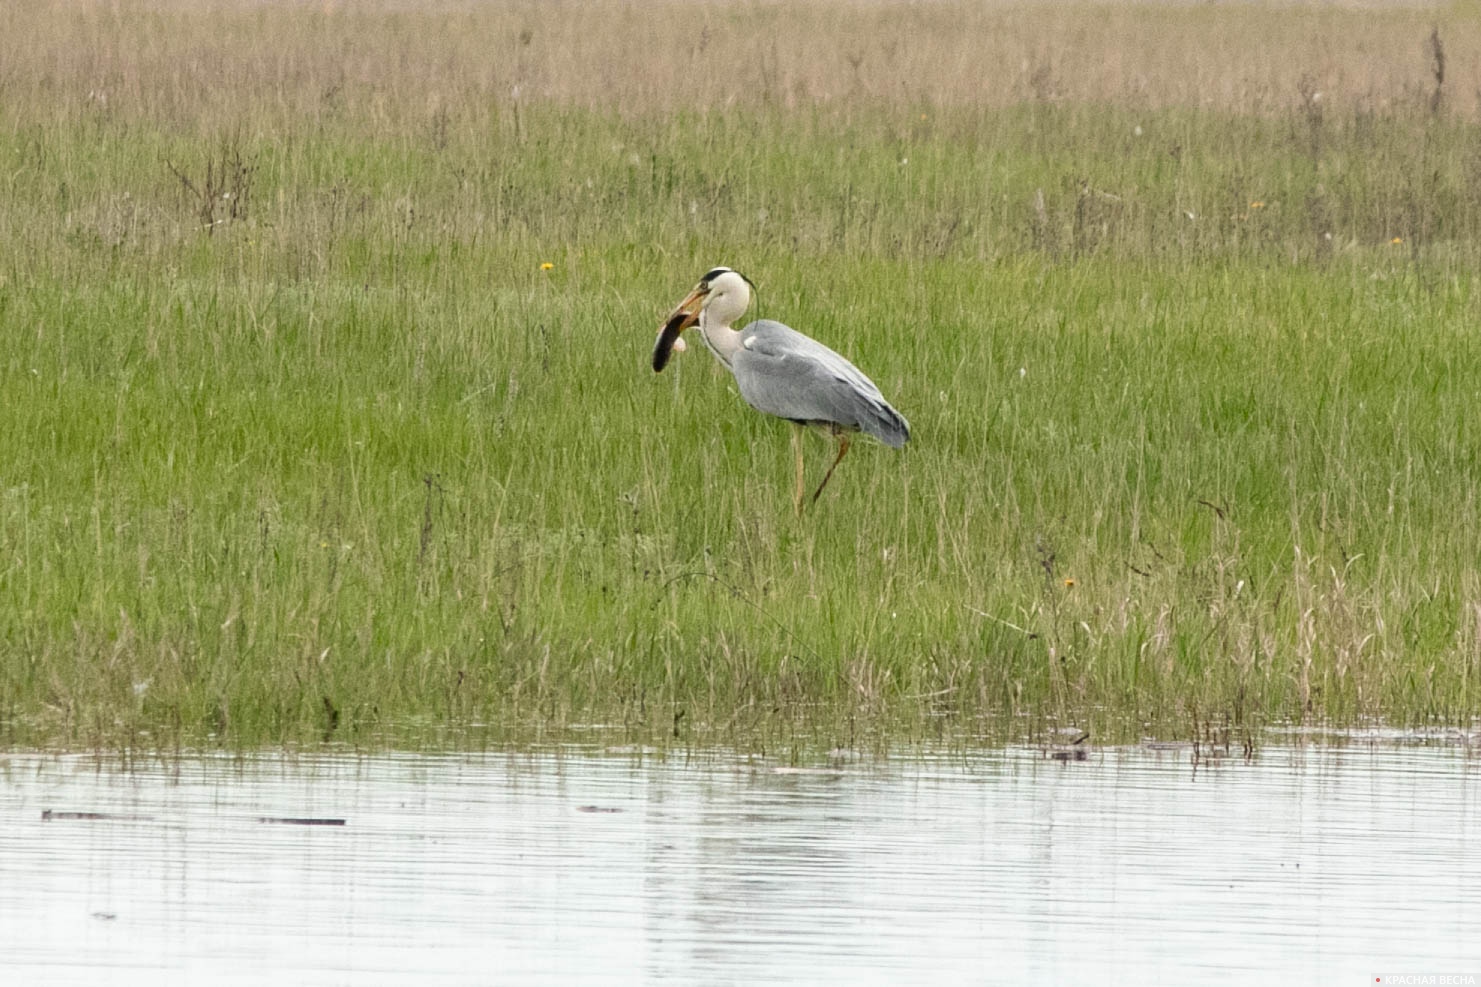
(1307, 865)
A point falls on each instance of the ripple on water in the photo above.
(1307, 864)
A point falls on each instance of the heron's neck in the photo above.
(722, 340)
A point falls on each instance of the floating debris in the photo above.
(300, 821)
(55, 815)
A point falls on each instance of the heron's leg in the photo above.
(843, 440)
(797, 455)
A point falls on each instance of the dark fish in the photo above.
(665, 345)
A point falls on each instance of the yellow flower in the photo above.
(547, 266)
(1257, 204)
(1397, 239)
(1069, 584)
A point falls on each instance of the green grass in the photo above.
(348, 464)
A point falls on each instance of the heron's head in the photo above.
(721, 297)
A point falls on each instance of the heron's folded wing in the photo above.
(784, 373)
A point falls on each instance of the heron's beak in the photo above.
(684, 316)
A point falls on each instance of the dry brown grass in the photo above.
(195, 60)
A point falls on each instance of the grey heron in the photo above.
(781, 372)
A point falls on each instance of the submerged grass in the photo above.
(327, 411)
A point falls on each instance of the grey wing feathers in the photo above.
(784, 373)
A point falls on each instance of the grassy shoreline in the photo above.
(325, 454)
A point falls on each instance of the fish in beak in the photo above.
(684, 316)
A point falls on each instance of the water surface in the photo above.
(1304, 865)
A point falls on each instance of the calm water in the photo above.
(1306, 865)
